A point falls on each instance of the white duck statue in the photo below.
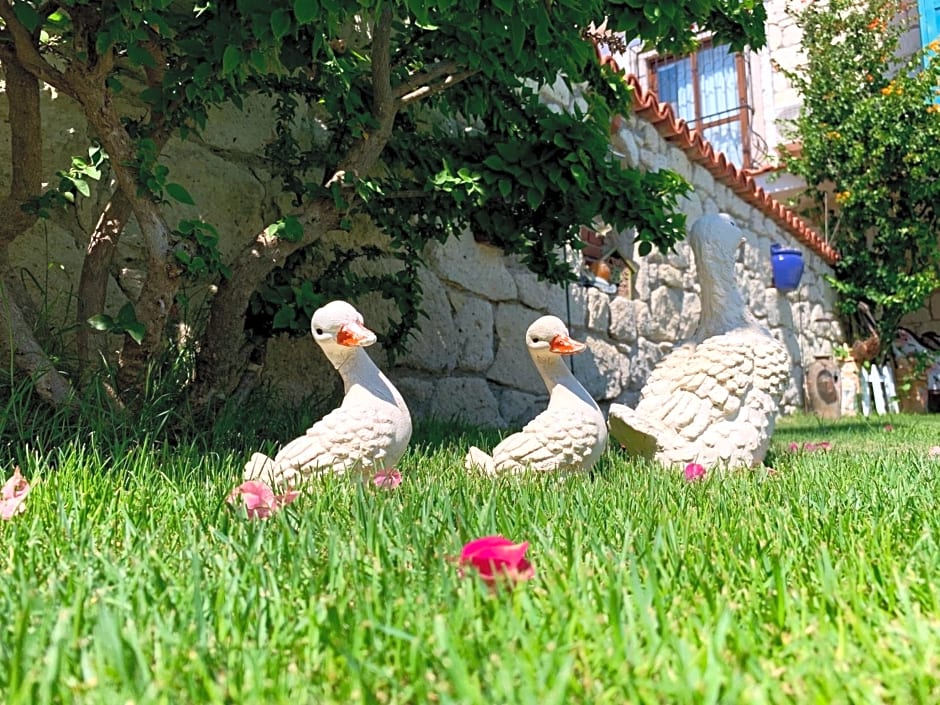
(714, 399)
(368, 432)
(571, 434)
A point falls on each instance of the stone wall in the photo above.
(469, 360)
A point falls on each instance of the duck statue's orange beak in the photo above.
(355, 335)
(563, 345)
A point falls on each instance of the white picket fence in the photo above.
(877, 386)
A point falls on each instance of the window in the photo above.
(708, 89)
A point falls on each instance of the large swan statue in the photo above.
(571, 434)
(368, 432)
(714, 399)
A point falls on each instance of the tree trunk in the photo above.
(22, 89)
(163, 276)
(224, 347)
(28, 356)
(93, 283)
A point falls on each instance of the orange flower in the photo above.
(878, 24)
(869, 77)
(933, 108)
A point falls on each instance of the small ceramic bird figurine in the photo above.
(714, 399)
(368, 432)
(571, 433)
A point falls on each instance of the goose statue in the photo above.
(714, 399)
(368, 432)
(570, 434)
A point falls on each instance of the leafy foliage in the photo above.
(423, 116)
(870, 126)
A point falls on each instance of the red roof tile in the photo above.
(699, 151)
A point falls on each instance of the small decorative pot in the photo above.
(787, 266)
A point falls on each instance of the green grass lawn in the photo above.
(129, 580)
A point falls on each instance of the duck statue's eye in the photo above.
(319, 331)
(536, 340)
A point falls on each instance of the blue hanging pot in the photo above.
(787, 266)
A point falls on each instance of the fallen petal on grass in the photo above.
(13, 495)
(496, 557)
(694, 471)
(387, 479)
(259, 500)
(934, 452)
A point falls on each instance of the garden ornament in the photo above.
(714, 399)
(570, 434)
(370, 430)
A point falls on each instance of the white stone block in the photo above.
(598, 310)
(623, 319)
(473, 320)
(512, 365)
(435, 344)
(467, 399)
(478, 268)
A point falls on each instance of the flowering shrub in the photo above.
(869, 126)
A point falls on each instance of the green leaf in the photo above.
(504, 5)
(306, 11)
(136, 331)
(81, 187)
(505, 187)
(101, 321)
(177, 192)
(140, 56)
(644, 248)
(27, 14)
(280, 23)
(231, 58)
(284, 317)
(293, 231)
(126, 316)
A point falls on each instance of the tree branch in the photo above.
(423, 78)
(428, 91)
(28, 54)
(366, 151)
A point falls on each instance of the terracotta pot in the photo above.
(824, 389)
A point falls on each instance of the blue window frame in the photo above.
(929, 20)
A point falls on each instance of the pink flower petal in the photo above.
(794, 447)
(259, 500)
(889, 427)
(933, 452)
(13, 495)
(387, 479)
(694, 471)
(496, 556)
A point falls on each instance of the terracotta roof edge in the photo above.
(648, 107)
